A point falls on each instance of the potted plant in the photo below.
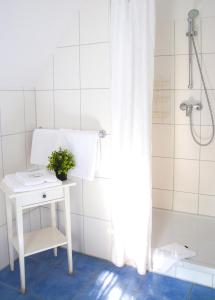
(61, 162)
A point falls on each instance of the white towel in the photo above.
(85, 147)
(83, 144)
(44, 142)
(34, 177)
(12, 182)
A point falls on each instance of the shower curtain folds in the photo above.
(132, 55)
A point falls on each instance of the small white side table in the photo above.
(39, 240)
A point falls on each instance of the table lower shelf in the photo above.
(41, 240)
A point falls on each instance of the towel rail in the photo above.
(102, 133)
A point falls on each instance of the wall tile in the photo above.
(12, 112)
(185, 202)
(96, 110)
(162, 198)
(35, 218)
(45, 109)
(26, 222)
(164, 40)
(207, 205)
(208, 43)
(97, 198)
(1, 162)
(162, 140)
(163, 107)
(185, 147)
(28, 143)
(77, 230)
(207, 171)
(2, 209)
(4, 258)
(45, 80)
(71, 35)
(181, 40)
(182, 75)
(208, 152)
(77, 233)
(14, 157)
(193, 96)
(45, 216)
(205, 113)
(186, 175)
(164, 72)
(208, 64)
(95, 66)
(162, 173)
(66, 68)
(75, 197)
(97, 242)
(30, 110)
(94, 21)
(67, 109)
(104, 166)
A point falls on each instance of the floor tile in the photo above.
(163, 287)
(93, 279)
(33, 270)
(200, 292)
(60, 285)
(7, 293)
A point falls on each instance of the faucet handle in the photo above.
(183, 106)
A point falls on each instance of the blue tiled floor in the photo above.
(92, 279)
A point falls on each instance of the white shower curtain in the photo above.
(132, 42)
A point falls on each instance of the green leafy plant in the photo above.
(61, 161)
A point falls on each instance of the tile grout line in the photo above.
(183, 158)
(40, 222)
(84, 44)
(26, 164)
(200, 147)
(174, 136)
(82, 180)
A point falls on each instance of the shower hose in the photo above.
(207, 98)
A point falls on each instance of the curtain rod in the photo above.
(102, 133)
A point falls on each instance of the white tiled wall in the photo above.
(73, 92)
(183, 172)
(18, 119)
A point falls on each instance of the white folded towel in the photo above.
(85, 147)
(34, 177)
(43, 143)
(83, 144)
(16, 186)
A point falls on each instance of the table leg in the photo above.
(20, 236)
(68, 228)
(53, 221)
(10, 231)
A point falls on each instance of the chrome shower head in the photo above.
(193, 13)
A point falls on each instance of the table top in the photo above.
(11, 194)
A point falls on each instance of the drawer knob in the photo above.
(44, 196)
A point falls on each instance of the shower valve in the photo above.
(189, 107)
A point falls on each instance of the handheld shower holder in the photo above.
(191, 33)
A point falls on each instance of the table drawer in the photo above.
(40, 197)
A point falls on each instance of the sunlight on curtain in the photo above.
(132, 54)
